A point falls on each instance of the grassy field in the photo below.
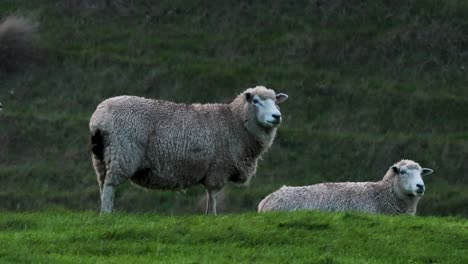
(370, 83)
(301, 237)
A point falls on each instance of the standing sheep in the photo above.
(164, 145)
(398, 192)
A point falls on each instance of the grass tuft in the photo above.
(18, 43)
(92, 7)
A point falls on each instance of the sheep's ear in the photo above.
(395, 169)
(426, 171)
(281, 97)
(248, 97)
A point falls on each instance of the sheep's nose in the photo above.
(420, 188)
(276, 116)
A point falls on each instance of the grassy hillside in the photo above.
(304, 237)
(370, 83)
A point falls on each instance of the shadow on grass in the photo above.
(17, 225)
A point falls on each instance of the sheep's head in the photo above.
(409, 180)
(263, 104)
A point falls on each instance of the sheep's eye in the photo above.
(255, 101)
(403, 172)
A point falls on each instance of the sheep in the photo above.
(397, 193)
(164, 145)
(1, 107)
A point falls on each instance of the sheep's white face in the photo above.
(410, 180)
(267, 110)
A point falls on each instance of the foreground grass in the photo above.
(303, 237)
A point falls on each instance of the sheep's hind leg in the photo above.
(97, 156)
(211, 201)
(100, 168)
(108, 193)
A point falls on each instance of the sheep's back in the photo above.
(143, 118)
(324, 196)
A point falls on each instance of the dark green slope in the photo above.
(370, 82)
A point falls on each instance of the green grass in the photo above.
(369, 83)
(301, 237)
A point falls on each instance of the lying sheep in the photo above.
(164, 145)
(397, 193)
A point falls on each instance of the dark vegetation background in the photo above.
(370, 83)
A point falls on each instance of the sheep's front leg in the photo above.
(211, 201)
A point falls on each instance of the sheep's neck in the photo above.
(264, 136)
(400, 201)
